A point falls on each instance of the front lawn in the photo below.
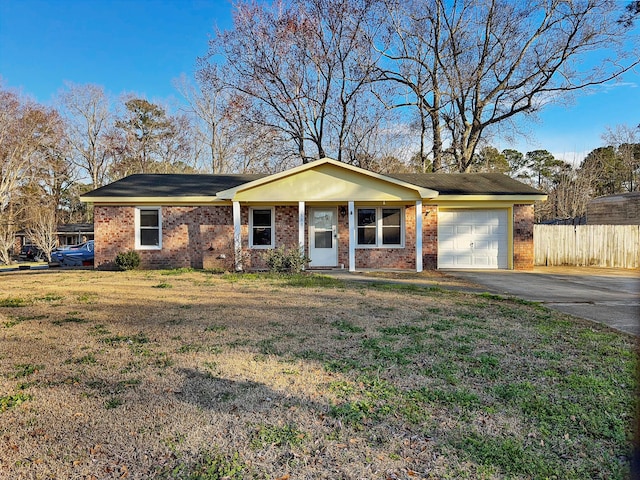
(192, 375)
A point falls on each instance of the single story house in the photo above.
(342, 216)
(67, 234)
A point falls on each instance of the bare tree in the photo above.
(301, 64)
(41, 224)
(412, 49)
(89, 117)
(486, 61)
(225, 131)
(25, 128)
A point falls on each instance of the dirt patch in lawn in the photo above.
(179, 374)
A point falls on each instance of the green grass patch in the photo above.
(13, 302)
(163, 285)
(88, 359)
(113, 402)
(176, 271)
(10, 401)
(87, 297)
(346, 326)
(207, 465)
(276, 436)
(69, 319)
(24, 370)
(402, 330)
(450, 398)
(50, 297)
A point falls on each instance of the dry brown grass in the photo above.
(158, 374)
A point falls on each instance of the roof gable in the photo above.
(327, 180)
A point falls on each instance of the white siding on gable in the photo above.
(472, 239)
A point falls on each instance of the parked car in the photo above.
(30, 252)
(74, 255)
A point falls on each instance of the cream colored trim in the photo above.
(232, 192)
(137, 228)
(352, 237)
(519, 199)
(510, 238)
(237, 235)
(301, 218)
(418, 236)
(154, 200)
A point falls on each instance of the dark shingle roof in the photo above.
(171, 185)
(194, 185)
(468, 183)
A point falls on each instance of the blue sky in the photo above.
(140, 46)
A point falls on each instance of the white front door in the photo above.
(472, 239)
(323, 244)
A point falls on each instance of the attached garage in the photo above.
(473, 238)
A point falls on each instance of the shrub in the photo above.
(283, 260)
(128, 260)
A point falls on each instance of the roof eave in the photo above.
(514, 197)
(141, 200)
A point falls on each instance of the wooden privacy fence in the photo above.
(587, 245)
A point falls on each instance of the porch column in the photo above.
(237, 236)
(301, 227)
(418, 235)
(352, 237)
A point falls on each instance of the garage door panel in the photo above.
(472, 239)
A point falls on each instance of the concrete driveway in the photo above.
(609, 296)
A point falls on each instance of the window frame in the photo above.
(138, 228)
(272, 226)
(379, 226)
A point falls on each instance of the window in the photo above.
(380, 227)
(261, 228)
(148, 228)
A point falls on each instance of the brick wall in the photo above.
(430, 237)
(189, 234)
(523, 237)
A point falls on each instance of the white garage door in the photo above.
(472, 239)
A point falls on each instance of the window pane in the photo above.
(149, 236)
(261, 218)
(391, 235)
(324, 239)
(391, 216)
(366, 216)
(323, 219)
(366, 236)
(149, 218)
(261, 236)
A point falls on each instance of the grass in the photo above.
(302, 376)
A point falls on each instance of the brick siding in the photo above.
(430, 237)
(202, 237)
(523, 237)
